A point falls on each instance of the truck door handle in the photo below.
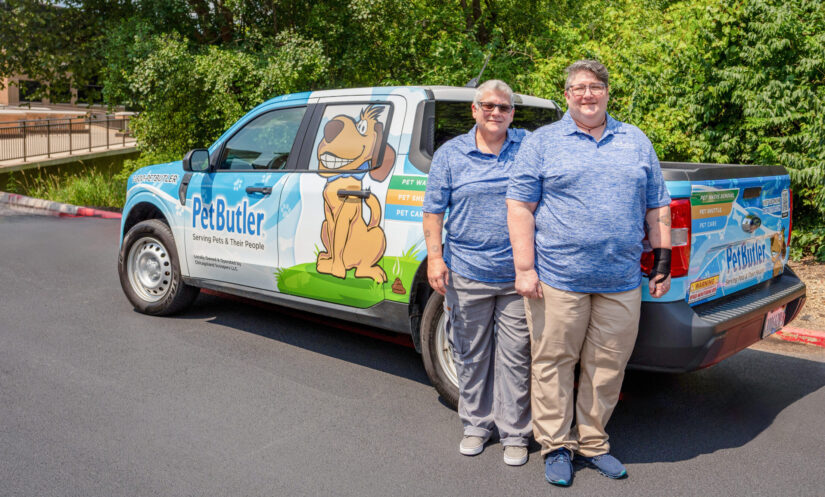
(355, 193)
(266, 190)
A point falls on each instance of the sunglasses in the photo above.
(489, 106)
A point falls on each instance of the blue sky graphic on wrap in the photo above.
(724, 257)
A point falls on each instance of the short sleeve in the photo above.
(526, 181)
(656, 195)
(437, 195)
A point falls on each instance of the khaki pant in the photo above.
(596, 330)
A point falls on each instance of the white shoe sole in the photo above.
(510, 461)
(472, 451)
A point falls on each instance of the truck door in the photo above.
(332, 240)
(232, 215)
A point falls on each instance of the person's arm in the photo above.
(522, 226)
(437, 200)
(437, 272)
(658, 234)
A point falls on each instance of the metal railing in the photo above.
(43, 138)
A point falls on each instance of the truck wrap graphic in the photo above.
(738, 235)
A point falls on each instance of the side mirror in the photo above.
(196, 160)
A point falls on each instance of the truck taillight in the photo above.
(679, 239)
(790, 215)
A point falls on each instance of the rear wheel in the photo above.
(437, 352)
(149, 270)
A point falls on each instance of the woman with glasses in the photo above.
(486, 324)
(582, 192)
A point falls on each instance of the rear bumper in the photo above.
(676, 337)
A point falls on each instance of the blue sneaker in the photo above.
(558, 469)
(607, 465)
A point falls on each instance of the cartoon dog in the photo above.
(778, 252)
(354, 147)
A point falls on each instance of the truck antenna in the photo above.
(473, 83)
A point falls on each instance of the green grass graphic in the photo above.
(304, 281)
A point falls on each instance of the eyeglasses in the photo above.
(597, 89)
(489, 106)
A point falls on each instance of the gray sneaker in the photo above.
(515, 455)
(472, 446)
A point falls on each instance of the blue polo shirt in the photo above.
(473, 185)
(592, 198)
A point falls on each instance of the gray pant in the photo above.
(487, 329)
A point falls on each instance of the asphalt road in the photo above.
(235, 399)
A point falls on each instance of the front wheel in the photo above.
(149, 270)
(437, 352)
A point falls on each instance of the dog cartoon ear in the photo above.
(388, 158)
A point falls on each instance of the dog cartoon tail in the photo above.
(375, 210)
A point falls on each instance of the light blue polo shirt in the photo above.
(473, 185)
(592, 199)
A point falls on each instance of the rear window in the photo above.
(455, 118)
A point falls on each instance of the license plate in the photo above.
(774, 321)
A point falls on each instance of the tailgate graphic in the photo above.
(739, 232)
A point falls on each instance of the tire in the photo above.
(150, 272)
(436, 351)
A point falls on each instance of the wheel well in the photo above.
(419, 294)
(142, 212)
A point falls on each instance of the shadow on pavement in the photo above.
(319, 334)
(662, 417)
(718, 408)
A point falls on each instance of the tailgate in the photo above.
(739, 234)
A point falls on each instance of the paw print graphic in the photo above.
(237, 184)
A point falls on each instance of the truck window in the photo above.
(455, 118)
(263, 143)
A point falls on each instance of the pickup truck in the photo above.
(312, 201)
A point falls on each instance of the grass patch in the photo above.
(87, 187)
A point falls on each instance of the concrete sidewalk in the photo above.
(57, 158)
(49, 208)
(49, 136)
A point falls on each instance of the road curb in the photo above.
(801, 335)
(54, 208)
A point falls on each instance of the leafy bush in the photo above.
(808, 242)
(707, 80)
(190, 96)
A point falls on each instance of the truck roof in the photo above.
(436, 92)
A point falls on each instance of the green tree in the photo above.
(55, 42)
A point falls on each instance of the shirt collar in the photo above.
(468, 140)
(611, 127)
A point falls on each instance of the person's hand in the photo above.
(657, 289)
(438, 274)
(528, 284)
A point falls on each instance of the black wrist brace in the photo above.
(661, 265)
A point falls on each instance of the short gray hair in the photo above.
(594, 66)
(493, 85)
